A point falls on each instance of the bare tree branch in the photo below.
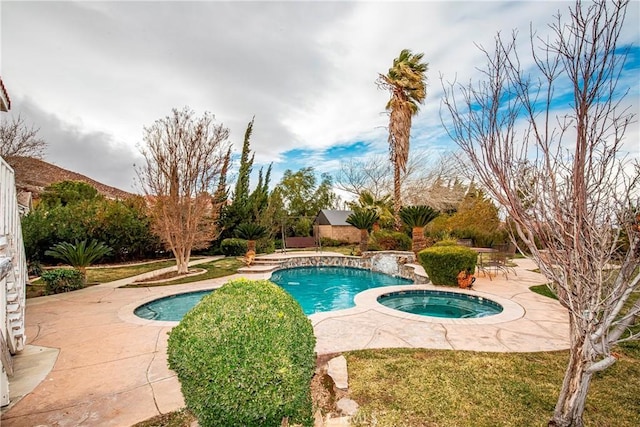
(561, 177)
(17, 139)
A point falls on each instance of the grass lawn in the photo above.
(406, 387)
(100, 274)
(219, 268)
(109, 274)
(543, 290)
(96, 275)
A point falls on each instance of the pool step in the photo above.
(259, 268)
(268, 261)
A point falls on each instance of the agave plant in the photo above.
(251, 232)
(79, 255)
(416, 218)
(363, 220)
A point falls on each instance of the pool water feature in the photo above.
(317, 289)
(449, 305)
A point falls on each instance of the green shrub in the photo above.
(62, 280)
(388, 240)
(233, 247)
(245, 357)
(443, 263)
(329, 242)
(373, 246)
(446, 242)
(265, 246)
(34, 268)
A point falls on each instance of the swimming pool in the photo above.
(317, 289)
(172, 308)
(320, 289)
(443, 304)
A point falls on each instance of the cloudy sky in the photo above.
(92, 74)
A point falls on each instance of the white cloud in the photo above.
(306, 70)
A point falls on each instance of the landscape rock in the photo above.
(337, 370)
(347, 406)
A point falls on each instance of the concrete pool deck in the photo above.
(90, 361)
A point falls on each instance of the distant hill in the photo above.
(33, 175)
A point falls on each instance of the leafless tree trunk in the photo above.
(17, 139)
(184, 156)
(558, 169)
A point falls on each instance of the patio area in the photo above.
(90, 361)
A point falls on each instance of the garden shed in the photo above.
(332, 224)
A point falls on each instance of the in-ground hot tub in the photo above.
(443, 304)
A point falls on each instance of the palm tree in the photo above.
(407, 83)
(251, 232)
(363, 220)
(79, 255)
(417, 217)
(383, 207)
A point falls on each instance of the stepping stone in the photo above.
(337, 370)
(347, 406)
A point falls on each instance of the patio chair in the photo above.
(501, 259)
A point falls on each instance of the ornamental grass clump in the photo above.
(443, 263)
(245, 357)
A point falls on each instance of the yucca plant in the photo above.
(251, 232)
(79, 255)
(416, 218)
(363, 220)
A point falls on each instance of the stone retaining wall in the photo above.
(394, 263)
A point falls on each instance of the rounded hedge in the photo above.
(443, 263)
(233, 247)
(245, 357)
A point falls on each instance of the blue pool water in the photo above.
(320, 289)
(317, 289)
(450, 305)
(172, 308)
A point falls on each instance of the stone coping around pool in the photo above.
(368, 300)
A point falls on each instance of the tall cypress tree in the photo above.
(259, 198)
(241, 194)
(222, 193)
(239, 211)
